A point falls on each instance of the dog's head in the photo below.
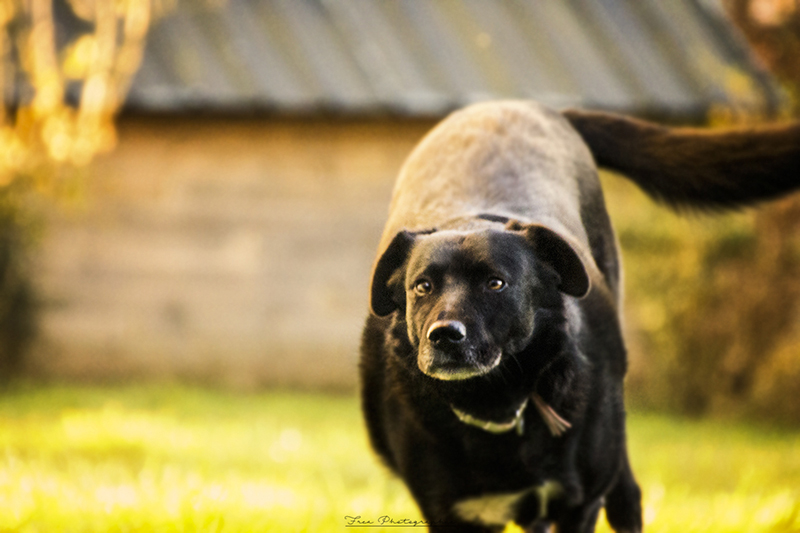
(470, 296)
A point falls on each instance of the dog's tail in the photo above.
(686, 167)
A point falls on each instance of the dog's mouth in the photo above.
(447, 366)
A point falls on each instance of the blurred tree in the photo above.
(743, 356)
(773, 29)
(61, 88)
(65, 66)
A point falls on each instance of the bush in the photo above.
(17, 300)
(712, 307)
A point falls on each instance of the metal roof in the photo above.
(425, 57)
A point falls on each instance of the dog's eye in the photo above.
(496, 284)
(423, 287)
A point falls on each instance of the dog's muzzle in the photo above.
(447, 354)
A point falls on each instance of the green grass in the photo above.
(169, 458)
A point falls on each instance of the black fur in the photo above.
(707, 169)
(497, 284)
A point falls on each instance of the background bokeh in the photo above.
(191, 193)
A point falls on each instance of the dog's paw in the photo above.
(572, 491)
(624, 509)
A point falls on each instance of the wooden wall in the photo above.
(229, 251)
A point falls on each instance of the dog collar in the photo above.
(557, 425)
(494, 427)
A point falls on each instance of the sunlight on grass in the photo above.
(175, 459)
(184, 459)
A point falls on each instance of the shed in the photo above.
(230, 235)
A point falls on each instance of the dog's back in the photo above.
(512, 159)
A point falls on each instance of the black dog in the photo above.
(492, 365)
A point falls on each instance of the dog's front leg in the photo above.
(579, 519)
(562, 386)
(624, 502)
(436, 481)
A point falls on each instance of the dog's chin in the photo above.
(455, 372)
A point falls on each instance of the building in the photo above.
(230, 236)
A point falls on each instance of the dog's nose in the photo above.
(447, 331)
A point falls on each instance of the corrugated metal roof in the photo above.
(425, 57)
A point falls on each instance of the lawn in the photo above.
(183, 459)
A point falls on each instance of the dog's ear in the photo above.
(554, 250)
(384, 293)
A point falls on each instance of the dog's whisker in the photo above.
(519, 364)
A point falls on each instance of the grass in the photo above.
(171, 458)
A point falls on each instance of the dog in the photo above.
(492, 362)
